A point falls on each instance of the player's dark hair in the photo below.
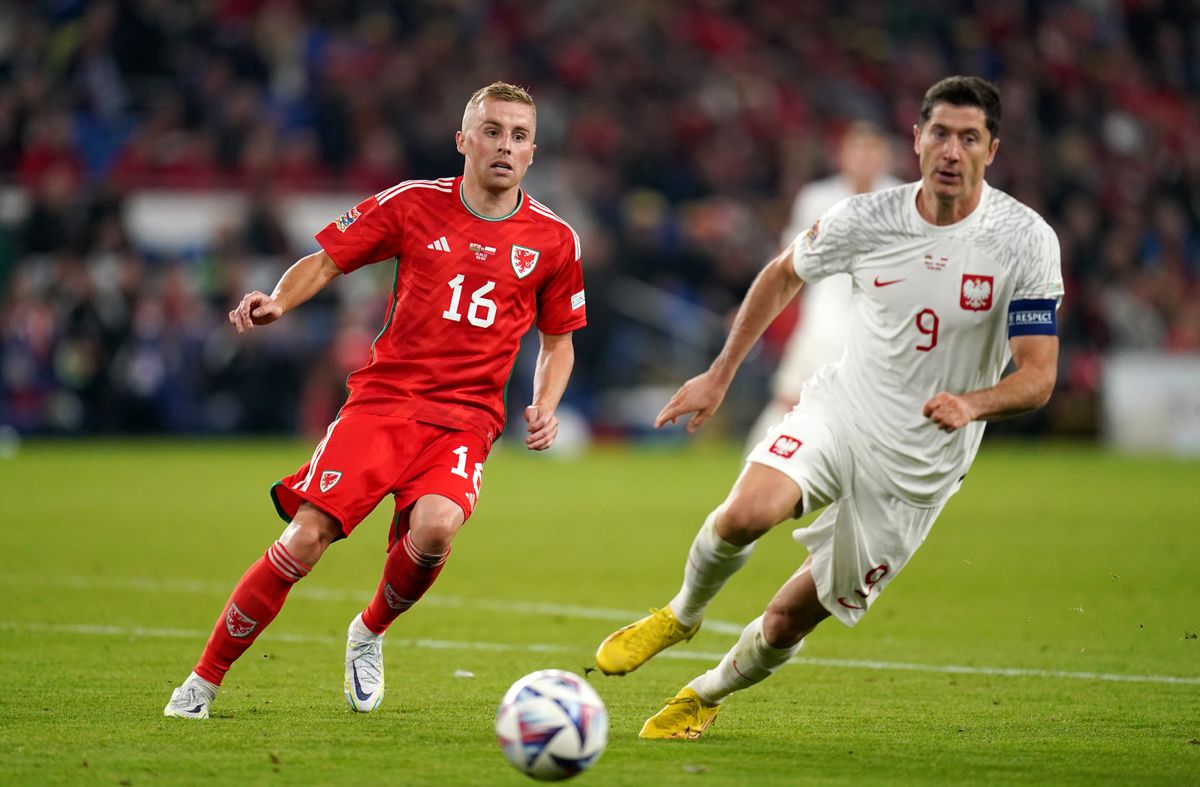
(964, 91)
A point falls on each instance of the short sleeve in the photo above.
(561, 302)
(827, 247)
(367, 233)
(1041, 270)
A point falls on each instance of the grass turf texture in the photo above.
(115, 559)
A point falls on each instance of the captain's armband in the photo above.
(1032, 318)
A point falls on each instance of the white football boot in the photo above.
(364, 667)
(191, 700)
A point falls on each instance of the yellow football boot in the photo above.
(685, 716)
(628, 648)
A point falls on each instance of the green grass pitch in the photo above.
(1046, 633)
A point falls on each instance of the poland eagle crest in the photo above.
(785, 446)
(976, 293)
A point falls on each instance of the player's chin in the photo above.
(502, 178)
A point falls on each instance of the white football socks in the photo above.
(209, 688)
(711, 561)
(748, 662)
(360, 632)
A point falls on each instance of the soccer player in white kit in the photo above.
(951, 279)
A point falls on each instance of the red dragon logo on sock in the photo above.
(394, 600)
(240, 624)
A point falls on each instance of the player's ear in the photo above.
(991, 156)
(458, 142)
(916, 139)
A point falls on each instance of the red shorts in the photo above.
(364, 458)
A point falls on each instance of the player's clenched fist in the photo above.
(256, 308)
(948, 411)
(543, 428)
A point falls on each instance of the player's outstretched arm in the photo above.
(555, 360)
(773, 288)
(299, 283)
(1026, 389)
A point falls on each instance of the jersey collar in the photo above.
(948, 229)
(462, 198)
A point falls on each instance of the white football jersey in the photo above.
(928, 313)
(820, 338)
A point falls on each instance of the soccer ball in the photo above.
(552, 725)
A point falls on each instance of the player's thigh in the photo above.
(761, 498)
(805, 448)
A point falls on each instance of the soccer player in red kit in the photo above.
(477, 262)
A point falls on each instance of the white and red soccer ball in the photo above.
(552, 725)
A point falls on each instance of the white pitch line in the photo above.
(92, 629)
(537, 647)
(318, 593)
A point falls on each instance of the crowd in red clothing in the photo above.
(672, 135)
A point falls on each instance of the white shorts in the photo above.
(866, 535)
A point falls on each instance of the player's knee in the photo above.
(433, 536)
(784, 626)
(432, 528)
(742, 519)
(786, 623)
(310, 534)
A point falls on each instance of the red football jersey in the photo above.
(466, 290)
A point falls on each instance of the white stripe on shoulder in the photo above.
(542, 210)
(436, 185)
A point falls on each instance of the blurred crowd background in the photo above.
(158, 158)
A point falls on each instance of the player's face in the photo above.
(955, 148)
(497, 141)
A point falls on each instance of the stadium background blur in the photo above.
(158, 159)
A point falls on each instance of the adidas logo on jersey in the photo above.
(441, 244)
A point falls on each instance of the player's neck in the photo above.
(490, 204)
(943, 211)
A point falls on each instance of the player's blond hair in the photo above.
(499, 91)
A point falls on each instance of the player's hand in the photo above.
(948, 411)
(542, 427)
(256, 308)
(701, 395)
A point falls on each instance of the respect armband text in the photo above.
(1033, 318)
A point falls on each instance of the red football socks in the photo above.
(256, 600)
(407, 574)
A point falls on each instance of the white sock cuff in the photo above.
(196, 679)
(719, 546)
(359, 630)
(768, 654)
